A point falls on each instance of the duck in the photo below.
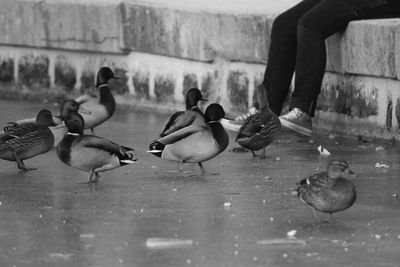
(59, 129)
(259, 130)
(90, 153)
(194, 143)
(21, 141)
(192, 115)
(97, 110)
(329, 191)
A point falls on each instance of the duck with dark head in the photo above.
(97, 110)
(194, 143)
(90, 153)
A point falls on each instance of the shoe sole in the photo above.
(295, 127)
(230, 126)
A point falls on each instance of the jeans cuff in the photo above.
(303, 104)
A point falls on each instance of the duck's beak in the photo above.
(53, 123)
(228, 118)
(117, 77)
(203, 99)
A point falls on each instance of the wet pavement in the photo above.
(240, 217)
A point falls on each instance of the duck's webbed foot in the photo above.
(94, 177)
(320, 219)
(204, 172)
(20, 163)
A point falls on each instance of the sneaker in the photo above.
(234, 125)
(298, 121)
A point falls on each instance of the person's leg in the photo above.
(323, 20)
(282, 54)
(281, 62)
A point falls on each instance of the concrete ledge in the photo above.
(196, 35)
(61, 25)
(368, 47)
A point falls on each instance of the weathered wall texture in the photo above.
(53, 49)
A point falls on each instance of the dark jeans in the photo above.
(298, 45)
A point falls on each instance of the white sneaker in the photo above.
(297, 120)
(234, 125)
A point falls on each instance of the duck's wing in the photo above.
(16, 129)
(250, 127)
(180, 134)
(83, 99)
(313, 183)
(170, 122)
(19, 140)
(178, 121)
(96, 142)
(270, 125)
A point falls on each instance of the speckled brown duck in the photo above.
(259, 130)
(328, 192)
(21, 141)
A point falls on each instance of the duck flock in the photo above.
(188, 136)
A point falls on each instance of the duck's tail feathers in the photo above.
(126, 155)
(156, 148)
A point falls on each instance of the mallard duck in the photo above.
(329, 191)
(97, 110)
(59, 129)
(194, 143)
(26, 140)
(90, 153)
(192, 115)
(259, 130)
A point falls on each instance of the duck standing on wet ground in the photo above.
(21, 141)
(97, 110)
(91, 153)
(329, 191)
(194, 143)
(192, 115)
(259, 130)
(93, 110)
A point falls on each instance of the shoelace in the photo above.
(252, 111)
(294, 114)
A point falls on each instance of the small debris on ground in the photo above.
(281, 241)
(291, 234)
(380, 148)
(162, 243)
(239, 150)
(61, 256)
(381, 165)
(323, 151)
(88, 236)
(227, 204)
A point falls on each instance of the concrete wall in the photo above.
(53, 49)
